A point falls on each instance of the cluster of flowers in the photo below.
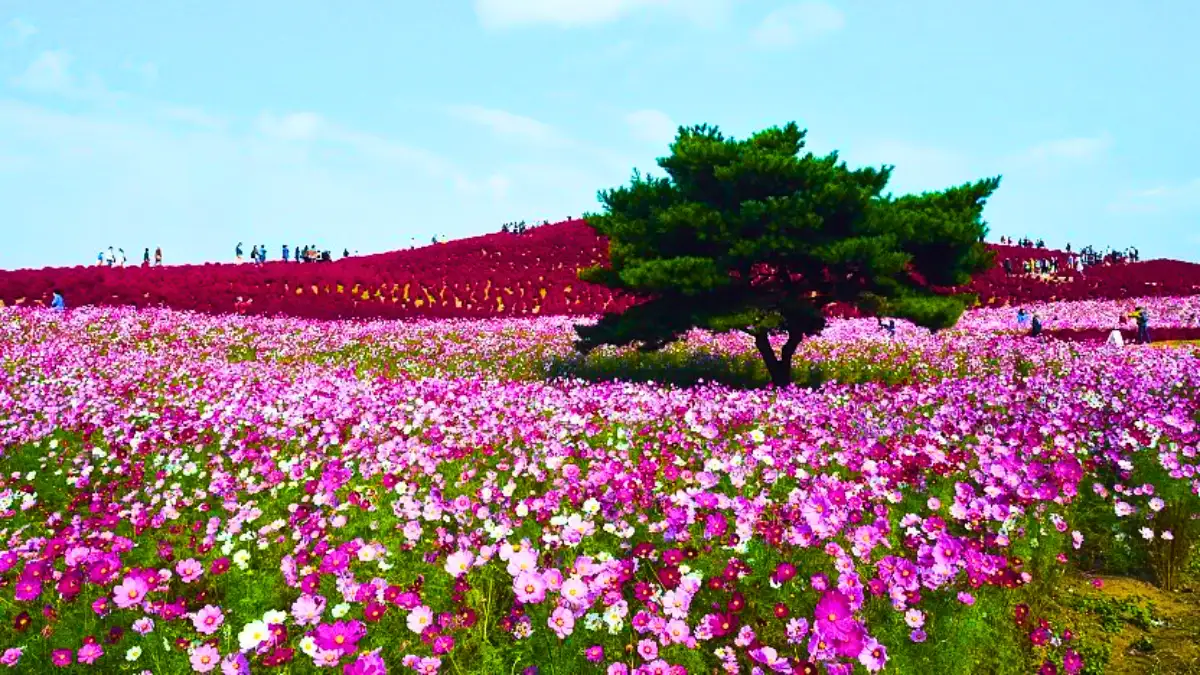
(488, 276)
(166, 503)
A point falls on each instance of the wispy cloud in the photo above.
(1080, 148)
(1159, 198)
(296, 126)
(506, 14)
(21, 31)
(51, 73)
(511, 126)
(652, 126)
(797, 24)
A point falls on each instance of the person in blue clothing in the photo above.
(285, 253)
(1022, 318)
(58, 304)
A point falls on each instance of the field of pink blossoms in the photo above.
(187, 493)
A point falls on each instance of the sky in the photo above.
(375, 124)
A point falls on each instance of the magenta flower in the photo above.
(28, 589)
(367, 663)
(90, 652)
(595, 653)
(235, 664)
(340, 636)
(62, 657)
(834, 618)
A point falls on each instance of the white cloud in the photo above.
(503, 14)
(652, 126)
(50, 73)
(297, 126)
(795, 24)
(22, 30)
(1072, 149)
(512, 126)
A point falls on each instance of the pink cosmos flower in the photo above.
(307, 609)
(873, 656)
(647, 649)
(208, 619)
(529, 588)
(131, 591)
(143, 626)
(189, 570)
(62, 657)
(562, 622)
(419, 619)
(11, 656)
(205, 658)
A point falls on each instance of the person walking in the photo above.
(158, 256)
(237, 252)
(146, 257)
(296, 252)
(1036, 327)
(1022, 318)
(57, 303)
(254, 253)
(120, 257)
(262, 254)
(285, 253)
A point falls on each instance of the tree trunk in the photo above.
(778, 367)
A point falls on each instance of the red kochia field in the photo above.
(493, 275)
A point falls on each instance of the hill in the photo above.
(499, 274)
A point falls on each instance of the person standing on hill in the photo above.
(296, 252)
(158, 256)
(285, 253)
(237, 252)
(254, 253)
(146, 257)
(1036, 327)
(120, 257)
(1143, 325)
(58, 304)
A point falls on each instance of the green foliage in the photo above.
(752, 235)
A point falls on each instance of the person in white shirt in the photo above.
(1115, 338)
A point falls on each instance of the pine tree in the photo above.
(753, 236)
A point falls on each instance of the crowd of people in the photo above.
(1139, 316)
(116, 257)
(258, 254)
(519, 227)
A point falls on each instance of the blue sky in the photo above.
(369, 125)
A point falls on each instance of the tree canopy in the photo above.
(753, 236)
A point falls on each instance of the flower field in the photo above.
(496, 275)
(185, 492)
